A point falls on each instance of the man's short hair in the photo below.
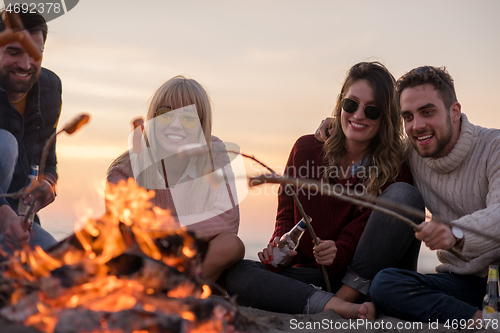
(33, 22)
(438, 77)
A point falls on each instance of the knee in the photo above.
(41, 237)
(404, 193)
(228, 245)
(383, 283)
(238, 247)
(8, 150)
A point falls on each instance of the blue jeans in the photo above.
(385, 242)
(421, 297)
(8, 160)
(8, 153)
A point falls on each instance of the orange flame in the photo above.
(101, 240)
(206, 292)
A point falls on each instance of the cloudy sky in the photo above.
(273, 70)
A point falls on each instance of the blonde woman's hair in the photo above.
(175, 93)
(178, 92)
(388, 149)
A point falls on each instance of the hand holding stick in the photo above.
(289, 191)
(355, 199)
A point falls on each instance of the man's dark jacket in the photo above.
(43, 108)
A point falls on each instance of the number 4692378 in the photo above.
(41, 7)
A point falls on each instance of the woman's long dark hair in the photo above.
(387, 150)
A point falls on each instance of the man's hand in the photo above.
(47, 196)
(320, 133)
(325, 252)
(436, 235)
(14, 235)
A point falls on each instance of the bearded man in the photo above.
(30, 106)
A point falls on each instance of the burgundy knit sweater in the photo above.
(332, 219)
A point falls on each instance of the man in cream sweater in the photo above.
(456, 167)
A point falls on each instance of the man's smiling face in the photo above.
(18, 70)
(428, 123)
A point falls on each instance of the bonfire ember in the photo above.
(132, 270)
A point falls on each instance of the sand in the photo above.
(329, 321)
(255, 320)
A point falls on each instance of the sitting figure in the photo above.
(30, 106)
(179, 117)
(365, 151)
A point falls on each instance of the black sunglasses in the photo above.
(351, 106)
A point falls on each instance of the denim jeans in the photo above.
(385, 242)
(9, 153)
(421, 297)
(287, 291)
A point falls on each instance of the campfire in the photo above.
(131, 270)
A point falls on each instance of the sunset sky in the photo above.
(272, 68)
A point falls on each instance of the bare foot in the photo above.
(367, 310)
(350, 310)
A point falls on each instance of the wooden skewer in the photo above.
(289, 191)
(354, 199)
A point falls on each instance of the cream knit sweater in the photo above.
(464, 187)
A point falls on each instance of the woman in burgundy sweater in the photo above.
(366, 152)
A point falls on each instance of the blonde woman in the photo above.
(365, 153)
(180, 116)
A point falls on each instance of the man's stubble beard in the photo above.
(15, 86)
(441, 142)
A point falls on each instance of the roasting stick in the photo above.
(13, 21)
(357, 199)
(326, 189)
(289, 191)
(70, 128)
(277, 179)
(74, 125)
(196, 150)
(307, 220)
(388, 204)
(191, 150)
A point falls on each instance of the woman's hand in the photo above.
(325, 252)
(266, 256)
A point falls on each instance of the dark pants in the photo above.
(385, 242)
(422, 297)
(8, 159)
